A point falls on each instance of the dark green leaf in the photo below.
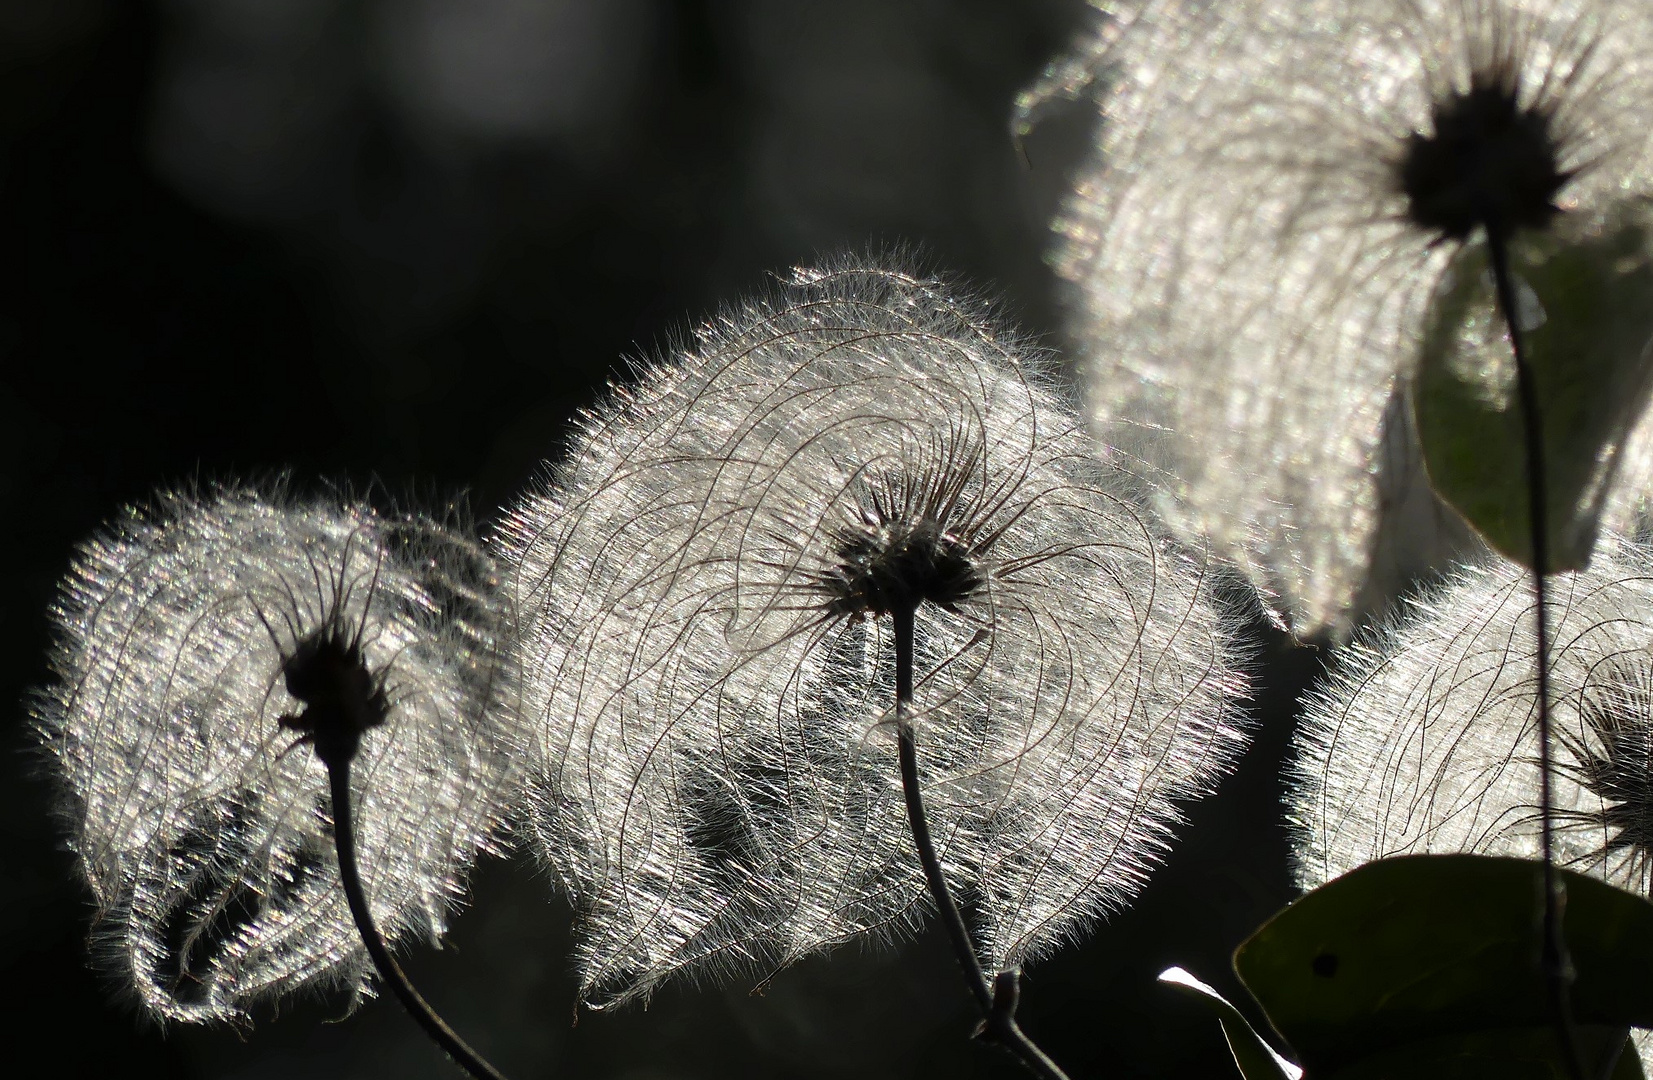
(1586, 306)
(1432, 946)
(1516, 1054)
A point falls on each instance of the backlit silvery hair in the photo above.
(202, 823)
(712, 685)
(1424, 737)
(1282, 194)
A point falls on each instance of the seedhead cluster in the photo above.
(858, 490)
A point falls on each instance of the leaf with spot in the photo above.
(1430, 955)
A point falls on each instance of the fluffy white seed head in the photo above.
(704, 593)
(1423, 737)
(203, 824)
(1278, 191)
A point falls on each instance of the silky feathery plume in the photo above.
(714, 689)
(1289, 198)
(194, 639)
(1424, 736)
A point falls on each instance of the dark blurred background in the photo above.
(401, 242)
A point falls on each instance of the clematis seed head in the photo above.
(204, 643)
(1423, 736)
(1284, 214)
(711, 680)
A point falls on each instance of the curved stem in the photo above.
(1556, 963)
(344, 838)
(998, 1002)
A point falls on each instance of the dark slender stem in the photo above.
(1000, 1026)
(907, 745)
(998, 1001)
(1556, 963)
(344, 838)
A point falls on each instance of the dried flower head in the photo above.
(1285, 194)
(713, 686)
(1424, 738)
(201, 643)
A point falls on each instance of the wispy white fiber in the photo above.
(1248, 290)
(718, 784)
(1423, 737)
(203, 826)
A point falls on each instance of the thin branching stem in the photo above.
(998, 1000)
(344, 837)
(1556, 963)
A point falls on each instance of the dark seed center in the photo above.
(1490, 163)
(341, 697)
(1619, 769)
(899, 567)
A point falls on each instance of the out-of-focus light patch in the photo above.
(823, 160)
(858, 118)
(248, 100)
(259, 24)
(255, 101)
(513, 68)
(411, 248)
(244, 140)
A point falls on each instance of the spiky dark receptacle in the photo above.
(1610, 755)
(342, 698)
(1490, 160)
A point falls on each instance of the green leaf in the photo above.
(1256, 1059)
(1434, 946)
(1586, 307)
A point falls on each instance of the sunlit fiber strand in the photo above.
(712, 680)
(203, 824)
(1252, 269)
(1424, 738)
